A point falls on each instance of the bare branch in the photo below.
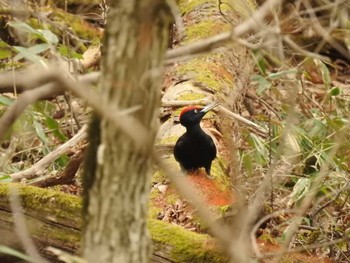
(39, 168)
(30, 79)
(66, 176)
(239, 118)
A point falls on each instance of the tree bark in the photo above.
(117, 200)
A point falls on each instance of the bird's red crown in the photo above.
(189, 108)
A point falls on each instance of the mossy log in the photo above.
(54, 219)
(221, 74)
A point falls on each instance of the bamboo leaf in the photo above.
(26, 53)
(40, 132)
(12, 252)
(5, 100)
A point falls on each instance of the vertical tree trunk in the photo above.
(117, 198)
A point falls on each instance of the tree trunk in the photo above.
(116, 208)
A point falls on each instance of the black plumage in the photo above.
(194, 149)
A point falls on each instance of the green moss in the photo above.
(218, 171)
(205, 29)
(153, 211)
(159, 176)
(49, 205)
(210, 9)
(62, 3)
(170, 139)
(177, 112)
(81, 28)
(172, 198)
(223, 209)
(42, 201)
(207, 72)
(186, 6)
(184, 246)
(191, 96)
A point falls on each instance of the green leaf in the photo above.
(326, 76)
(260, 149)
(248, 163)
(285, 232)
(263, 84)
(300, 189)
(62, 161)
(5, 100)
(37, 49)
(4, 54)
(40, 132)
(5, 179)
(48, 36)
(262, 65)
(338, 123)
(26, 53)
(5, 50)
(54, 126)
(335, 91)
(315, 128)
(9, 251)
(3, 44)
(279, 74)
(260, 61)
(21, 26)
(69, 52)
(43, 34)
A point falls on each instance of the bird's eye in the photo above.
(195, 111)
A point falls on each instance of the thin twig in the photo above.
(30, 79)
(239, 118)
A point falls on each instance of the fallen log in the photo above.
(54, 220)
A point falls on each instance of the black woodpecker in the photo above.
(194, 149)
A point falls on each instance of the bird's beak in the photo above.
(209, 107)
